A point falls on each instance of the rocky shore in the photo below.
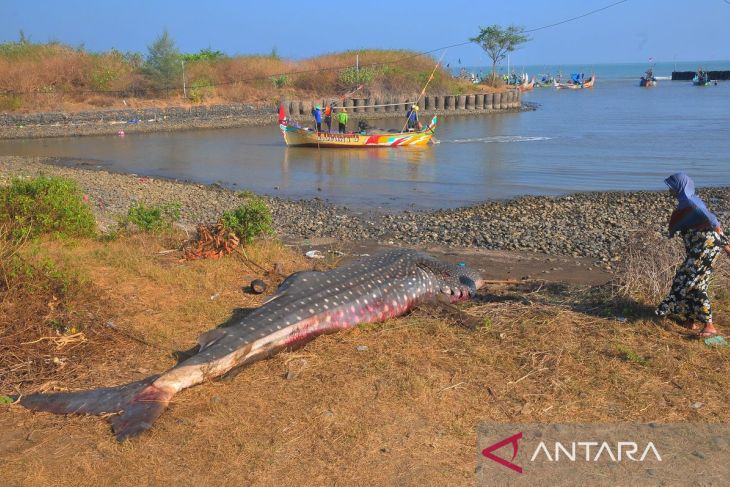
(595, 225)
(107, 122)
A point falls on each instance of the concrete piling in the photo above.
(507, 100)
(449, 102)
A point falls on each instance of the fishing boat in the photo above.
(701, 78)
(295, 135)
(527, 86)
(648, 80)
(577, 82)
(545, 80)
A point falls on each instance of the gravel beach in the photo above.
(595, 225)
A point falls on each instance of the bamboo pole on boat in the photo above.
(423, 91)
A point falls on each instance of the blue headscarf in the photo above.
(691, 212)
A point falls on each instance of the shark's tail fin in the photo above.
(138, 405)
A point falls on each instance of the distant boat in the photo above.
(577, 82)
(527, 86)
(517, 80)
(545, 80)
(701, 78)
(648, 80)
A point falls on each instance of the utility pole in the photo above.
(357, 63)
(185, 91)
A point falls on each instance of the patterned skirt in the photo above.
(688, 297)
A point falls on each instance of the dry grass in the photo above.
(57, 77)
(402, 412)
(647, 266)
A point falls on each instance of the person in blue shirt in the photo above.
(412, 117)
(317, 113)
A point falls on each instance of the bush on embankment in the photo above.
(54, 76)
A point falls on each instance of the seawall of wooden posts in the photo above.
(131, 120)
(379, 106)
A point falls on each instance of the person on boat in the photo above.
(703, 241)
(328, 116)
(342, 119)
(412, 117)
(317, 114)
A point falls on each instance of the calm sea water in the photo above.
(615, 136)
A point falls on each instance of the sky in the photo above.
(633, 31)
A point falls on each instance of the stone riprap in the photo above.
(595, 225)
(132, 120)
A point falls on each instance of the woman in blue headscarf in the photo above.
(703, 240)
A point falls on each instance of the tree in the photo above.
(497, 42)
(163, 62)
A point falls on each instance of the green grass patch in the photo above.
(154, 219)
(631, 356)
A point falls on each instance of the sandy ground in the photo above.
(503, 265)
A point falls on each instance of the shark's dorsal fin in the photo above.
(296, 277)
(289, 281)
(210, 337)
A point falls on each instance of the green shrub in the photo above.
(156, 218)
(352, 77)
(250, 220)
(108, 68)
(200, 89)
(206, 54)
(280, 81)
(31, 207)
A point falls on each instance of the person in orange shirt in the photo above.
(328, 116)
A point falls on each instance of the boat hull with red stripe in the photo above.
(297, 136)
